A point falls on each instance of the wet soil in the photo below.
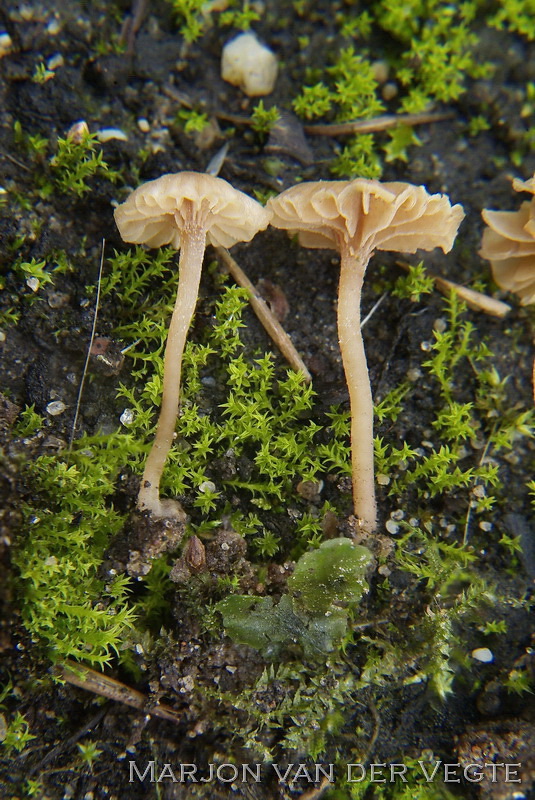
(161, 75)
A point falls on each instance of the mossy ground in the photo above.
(388, 679)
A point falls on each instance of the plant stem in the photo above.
(358, 382)
(190, 265)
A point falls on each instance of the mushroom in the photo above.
(509, 244)
(355, 218)
(187, 210)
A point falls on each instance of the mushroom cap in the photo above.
(509, 244)
(365, 215)
(158, 212)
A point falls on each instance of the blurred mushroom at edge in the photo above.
(509, 244)
(355, 218)
(186, 210)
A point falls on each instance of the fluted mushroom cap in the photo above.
(366, 215)
(157, 212)
(509, 244)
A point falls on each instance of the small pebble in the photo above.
(389, 91)
(6, 44)
(440, 325)
(55, 62)
(110, 134)
(143, 125)
(398, 514)
(383, 480)
(483, 654)
(485, 526)
(249, 64)
(414, 374)
(33, 283)
(55, 408)
(78, 131)
(127, 417)
(392, 526)
(426, 346)
(53, 27)
(207, 486)
(57, 299)
(380, 71)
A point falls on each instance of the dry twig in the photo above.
(96, 682)
(473, 299)
(375, 124)
(265, 315)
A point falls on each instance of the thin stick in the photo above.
(476, 300)
(372, 311)
(88, 356)
(265, 315)
(376, 124)
(373, 125)
(96, 682)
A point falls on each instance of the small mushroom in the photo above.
(509, 244)
(355, 218)
(187, 210)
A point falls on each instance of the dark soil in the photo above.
(479, 720)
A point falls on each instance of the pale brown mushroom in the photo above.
(355, 218)
(509, 244)
(187, 210)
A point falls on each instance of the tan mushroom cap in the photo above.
(156, 213)
(367, 215)
(509, 244)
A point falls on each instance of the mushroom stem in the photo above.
(358, 383)
(189, 265)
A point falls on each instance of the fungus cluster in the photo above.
(355, 218)
(509, 244)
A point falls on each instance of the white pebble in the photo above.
(483, 654)
(109, 134)
(250, 65)
(392, 526)
(78, 131)
(485, 526)
(382, 480)
(127, 417)
(6, 44)
(207, 486)
(55, 62)
(55, 408)
(33, 283)
(143, 125)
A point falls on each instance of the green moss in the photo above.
(194, 16)
(313, 615)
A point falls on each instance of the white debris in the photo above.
(109, 134)
(483, 654)
(78, 131)
(56, 408)
(6, 44)
(143, 125)
(250, 65)
(127, 417)
(392, 526)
